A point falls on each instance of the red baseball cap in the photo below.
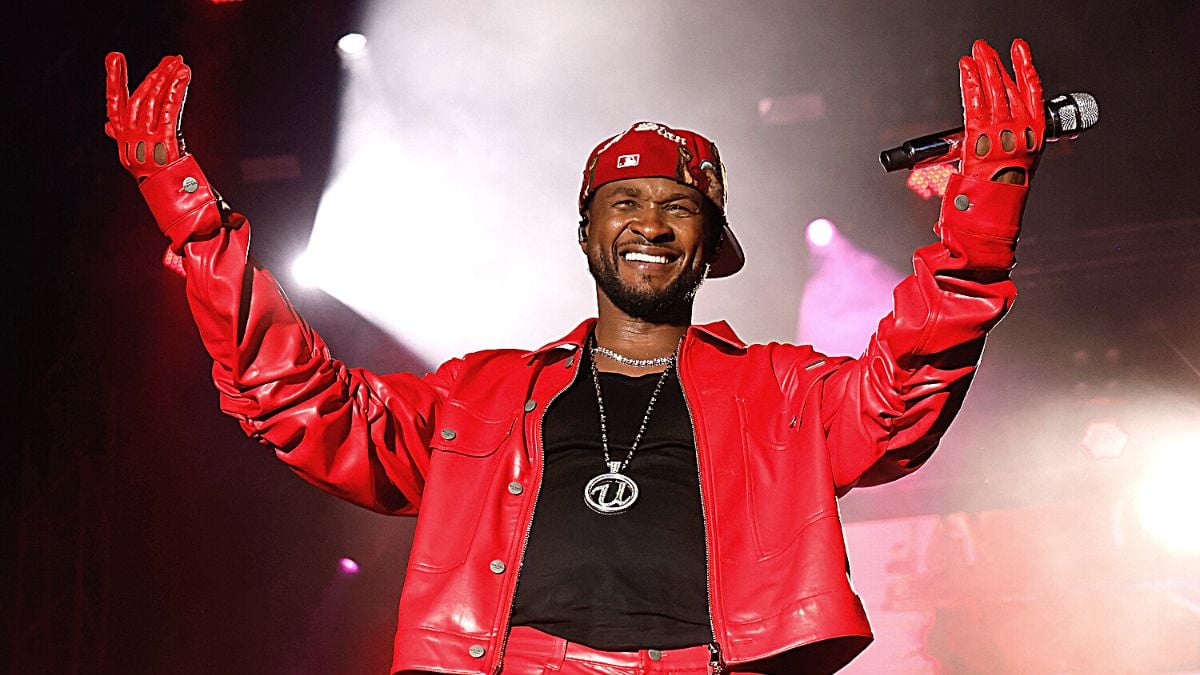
(653, 150)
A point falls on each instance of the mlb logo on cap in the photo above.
(625, 161)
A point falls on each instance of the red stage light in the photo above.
(173, 262)
(931, 180)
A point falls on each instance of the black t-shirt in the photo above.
(628, 581)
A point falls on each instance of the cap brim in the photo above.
(730, 259)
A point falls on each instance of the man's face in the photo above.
(645, 246)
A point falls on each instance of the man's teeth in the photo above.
(634, 256)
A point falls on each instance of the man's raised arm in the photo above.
(885, 412)
(357, 435)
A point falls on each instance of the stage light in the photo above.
(930, 181)
(348, 566)
(173, 262)
(1104, 439)
(847, 292)
(792, 109)
(1167, 499)
(352, 44)
(306, 270)
(820, 232)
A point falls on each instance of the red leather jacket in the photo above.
(781, 431)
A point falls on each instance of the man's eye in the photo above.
(679, 210)
(624, 203)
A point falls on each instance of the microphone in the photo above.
(1066, 117)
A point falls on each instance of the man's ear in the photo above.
(582, 233)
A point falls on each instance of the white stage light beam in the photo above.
(1167, 500)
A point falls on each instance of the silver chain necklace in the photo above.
(630, 361)
(613, 492)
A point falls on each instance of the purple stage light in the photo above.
(820, 232)
(848, 291)
(348, 566)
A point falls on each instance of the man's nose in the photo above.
(649, 223)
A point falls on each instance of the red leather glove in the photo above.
(146, 126)
(1005, 121)
(150, 145)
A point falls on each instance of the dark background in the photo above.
(148, 535)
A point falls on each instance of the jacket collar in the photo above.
(572, 340)
(718, 330)
(721, 332)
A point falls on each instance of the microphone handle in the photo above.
(1067, 116)
(922, 150)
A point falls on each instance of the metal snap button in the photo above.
(497, 566)
(570, 361)
(476, 651)
(516, 488)
(448, 434)
(530, 405)
(962, 202)
(654, 654)
(190, 184)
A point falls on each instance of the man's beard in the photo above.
(671, 304)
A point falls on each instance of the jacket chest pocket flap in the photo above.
(463, 431)
(462, 479)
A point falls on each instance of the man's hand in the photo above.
(1005, 121)
(146, 125)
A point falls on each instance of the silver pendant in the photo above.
(610, 493)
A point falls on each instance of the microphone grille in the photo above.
(1089, 111)
(1075, 112)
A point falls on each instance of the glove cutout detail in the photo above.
(1004, 120)
(147, 125)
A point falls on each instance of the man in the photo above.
(643, 494)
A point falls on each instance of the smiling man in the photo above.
(653, 226)
(642, 495)
(670, 244)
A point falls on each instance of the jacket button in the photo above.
(962, 202)
(497, 566)
(476, 651)
(190, 184)
(530, 405)
(515, 488)
(654, 654)
(448, 434)
(570, 361)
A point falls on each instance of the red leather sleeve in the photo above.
(359, 436)
(886, 411)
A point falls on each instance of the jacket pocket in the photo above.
(778, 496)
(461, 483)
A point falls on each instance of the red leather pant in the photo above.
(532, 652)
